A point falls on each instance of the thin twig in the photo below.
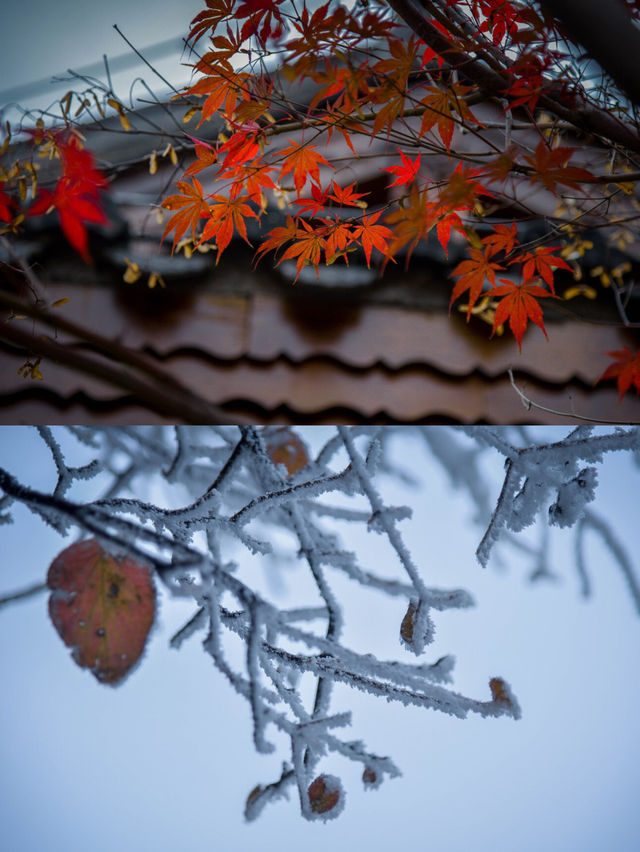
(29, 592)
(529, 404)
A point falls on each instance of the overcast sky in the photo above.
(40, 39)
(165, 761)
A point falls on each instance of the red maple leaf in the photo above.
(256, 11)
(216, 11)
(503, 238)
(550, 167)
(316, 204)
(518, 305)
(78, 166)
(240, 148)
(6, 205)
(75, 209)
(500, 17)
(406, 173)
(542, 262)
(528, 84)
(473, 273)
(76, 196)
(347, 197)
(625, 368)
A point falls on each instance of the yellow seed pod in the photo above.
(579, 290)
(155, 278)
(186, 118)
(132, 272)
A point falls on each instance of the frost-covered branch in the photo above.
(203, 506)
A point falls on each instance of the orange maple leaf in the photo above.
(393, 100)
(223, 90)
(304, 161)
(395, 71)
(625, 368)
(225, 213)
(252, 178)
(191, 207)
(411, 222)
(207, 156)
(338, 235)
(373, 236)
(459, 195)
(473, 273)
(518, 305)
(439, 108)
(277, 237)
(501, 167)
(308, 248)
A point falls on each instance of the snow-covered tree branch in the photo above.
(197, 509)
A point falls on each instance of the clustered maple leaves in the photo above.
(368, 78)
(371, 82)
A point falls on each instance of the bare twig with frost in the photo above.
(200, 504)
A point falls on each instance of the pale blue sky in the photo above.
(166, 761)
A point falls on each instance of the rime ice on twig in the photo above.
(537, 474)
(216, 500)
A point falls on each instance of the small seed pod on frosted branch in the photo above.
(223, 502)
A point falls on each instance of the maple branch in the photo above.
(106, 345)
(181, 405)
(529, 404)
(586, 117)
(29, 592)
(196, 409)
(597, 524)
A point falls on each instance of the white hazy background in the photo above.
(165, 761)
